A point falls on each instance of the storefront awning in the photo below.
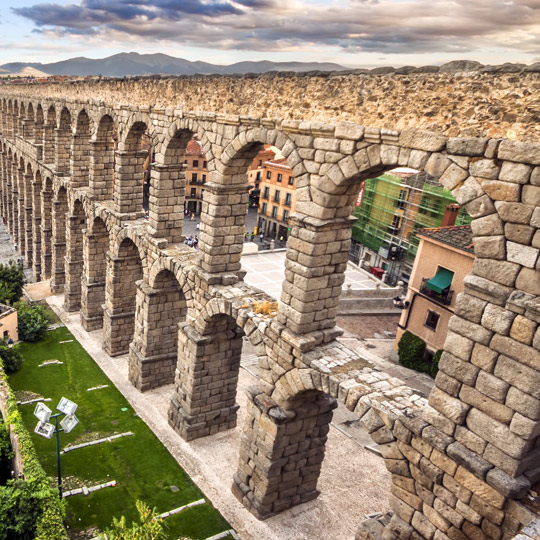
(440, 281)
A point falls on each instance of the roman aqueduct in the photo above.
(71, 176)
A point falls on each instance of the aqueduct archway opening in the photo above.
(74, 170)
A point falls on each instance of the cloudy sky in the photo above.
(354, 33)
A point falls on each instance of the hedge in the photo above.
(411, 351)
(50, 524)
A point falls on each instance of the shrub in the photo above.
(38, 499)
(11, 282)
(149, 528)
(32, 320)
(411, 351)
(6, 453)
(11, 357)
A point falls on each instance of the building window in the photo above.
(274, 211)
(291, 180)
(400, 203)
(288, 199)
(432, 320)
(6, 333)
(286, 216)
(266, 192)
(277, 195)
(193, 192)
(204, 178)
(195, 163)
(279, 177)
(260, 163)
(258, 177)
(194, 177)
(264, 208)
(204, 164)
(268, 174)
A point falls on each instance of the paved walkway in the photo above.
(353, 482)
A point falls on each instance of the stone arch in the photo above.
(96, 243)
(167, 188)
(76, 224)
(161, 307)
(80, 150)
(133, 156)
(59, 215)
(102, 158)
(209, 355)
(21, 118)
(46, 227)
(39, 128)
(18, 181)
(29, 122)
(16, 118)
(63, 142)
(49, 136)
(124, 271)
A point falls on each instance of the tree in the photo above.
(11, 282)
(32, 321)
(150, 527)
(20, 509)
(11, 357)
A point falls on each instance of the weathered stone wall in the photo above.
(465, 104)
(458, 465)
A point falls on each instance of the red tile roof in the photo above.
(459, 236)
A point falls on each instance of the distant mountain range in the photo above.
(132, 64)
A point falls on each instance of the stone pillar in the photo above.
(4, 197)
(49, 139)
(317, 255)
(63, 150)
(222, 227)
(73, 262)
(36, 226)
(19, 228)
(119, 310)
(95, 246)
(153, 352)
(204, 400)
(11, 187)
(167, 193)
(28, 219)
(58, 270)
(128, 185)
(80, 160)
(28, 129)
(281, 453)
(101, 171)
(46, 232)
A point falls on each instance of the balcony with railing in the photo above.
(444, 297)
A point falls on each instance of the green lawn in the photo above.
(140, 464)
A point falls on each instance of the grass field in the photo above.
(140, 464)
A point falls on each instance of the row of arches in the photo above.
(173, 308)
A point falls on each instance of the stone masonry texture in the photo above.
(71, 175)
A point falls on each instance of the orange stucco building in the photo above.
(277, 199)
(444, 257)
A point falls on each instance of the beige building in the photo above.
(445, 256)
(8, 323)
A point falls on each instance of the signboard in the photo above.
(42, 412)
(67, 407)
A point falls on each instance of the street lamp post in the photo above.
(47, 430)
